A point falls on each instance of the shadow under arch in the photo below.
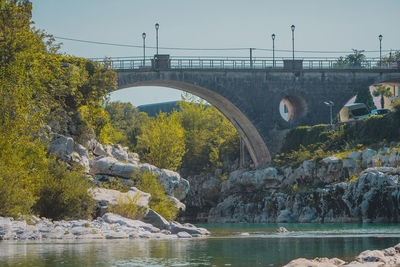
(255, 144)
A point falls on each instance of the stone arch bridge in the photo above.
(250, 96)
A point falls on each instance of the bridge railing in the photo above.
(245, 63)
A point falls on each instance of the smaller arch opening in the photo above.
(292, 107)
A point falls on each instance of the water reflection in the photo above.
(261, 248)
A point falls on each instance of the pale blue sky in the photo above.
(338, 25)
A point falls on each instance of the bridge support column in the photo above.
(243, 154)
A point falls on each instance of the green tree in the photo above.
(35, 82)
(162, 141)
(383, 92)
(209, 136)
(126, 119)
(354, 60)
(364, 96)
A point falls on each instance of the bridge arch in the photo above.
(254, 142)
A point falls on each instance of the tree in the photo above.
(126, 119)
(382, 91)
(209, 137)
(364, 96)
(355, 60)
(161, 142)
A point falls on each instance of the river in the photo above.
(229, 245)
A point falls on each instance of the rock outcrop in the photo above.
(114, 161)
(386, 257)
(373, 197)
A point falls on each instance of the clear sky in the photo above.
(335, 25)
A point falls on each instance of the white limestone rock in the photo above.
(156, 220)
(109, 197)
(135, 224)
(61, 146)
(331, 160)
(111, 166)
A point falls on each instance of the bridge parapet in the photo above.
(241, 63)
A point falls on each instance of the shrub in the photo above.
(128, 208)
(64, 194)
(159, 202)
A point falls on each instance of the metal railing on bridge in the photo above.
(215, 63)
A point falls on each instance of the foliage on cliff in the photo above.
(319, 141)
(37, 85)
(159, 202)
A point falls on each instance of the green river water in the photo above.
(229, 245)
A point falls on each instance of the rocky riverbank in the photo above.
(385, 257)
(361, 186)
(109, 226)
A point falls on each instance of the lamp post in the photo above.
(273, 50)
(380, 49)
(251, 58)
(144, 48)
(157, 26)
(330, 104)
(292, 27)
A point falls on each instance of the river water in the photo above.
(229, 245)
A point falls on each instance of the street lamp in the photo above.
(380, 49)
(273, 50)
(144, 48)
(157, 26)
(292, 27)
(330, 104)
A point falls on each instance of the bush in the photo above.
(128, 208)
(64, 194)
(159, 202)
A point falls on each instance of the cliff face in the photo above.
(363, 187)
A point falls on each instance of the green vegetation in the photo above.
(355, 60)
(128, 208)
(198, 138)
(320, 141)
(159, 202)
(161, 142)
(64, 194)
(39, 86)
(364, 96)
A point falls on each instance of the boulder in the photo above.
(109, 197)
(177, 204)
(372, 256)
(331, 160)
(317, 262)
(99, 150)
(156, 220)
(176, 227)
(117, 219)
(366, 154)
(356, 155)
(118, 152)
(111, 166)
(184, 235)
(173, 183)
(61, 146)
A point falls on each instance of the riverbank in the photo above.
(109, 226)
(385, 257)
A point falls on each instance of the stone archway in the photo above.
(253, 140)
